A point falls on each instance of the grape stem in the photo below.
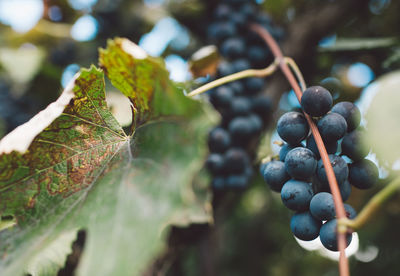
(237, 76)
(372, 206)
(339, 208)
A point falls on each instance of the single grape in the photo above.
(316, 101)
(222, 11)
(350, 113)
(255, 123)
(262, 106)
(253, 85)
(240, 65)
(219, 182)
(322, 206)
(236, 181)
(304, 226)
(241, 129)
(225, 68)
(233, 47)
(331, 147)
(215, 163)
(275, 175)
(363, 174)
(236, 160)
(296, 195)
(240, 106)
(292, 127)
(339, 167)
(221, 97)
(353, 147)
(328, 235)
(345, 190)
(332, 127)
(285, 149)
(237, 87)
(300, 163)
(219, 140)
(350, 212)
(221, 30)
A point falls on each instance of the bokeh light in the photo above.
(21, 15)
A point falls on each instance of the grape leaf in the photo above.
(83, 172)
(143, 80)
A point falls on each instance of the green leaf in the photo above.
(83, 172)
(354, 44)
(383, 128)
(144, 80)
(52, 258)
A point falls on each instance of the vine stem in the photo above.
(237, 76)
(339, 208)
(372, 206)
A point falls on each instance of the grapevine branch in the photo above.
(339, 208)
(237, 76)
(372, 206)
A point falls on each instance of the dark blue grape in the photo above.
(237, 87)
(285, 149)
(332, 127)
(328, 235)
(363, 174)
(248, 10)
(219, 140)
(225, 68)
(222, 97)
(275, 175)
(350, 212)
(257, 55)
(240, 129)
(221, 30)
(215, 163)
(350, 113)
(219, 182)
(353, 147)
(331, 147)
(292, 127)
(239, 19)
(262, 167)
(253, 85)
(300, 163)
(240, 65)
(240, 106)
(237, 181)
(236, 160)
(233, 47)
(296, 195)
(304, 226)
(339, 167)
(345, 190)
(262, 106)
(322, 206)
(316, 101)
(222, 11)
(255, 123)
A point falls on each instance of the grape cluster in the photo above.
(245, 113)
(299, 174)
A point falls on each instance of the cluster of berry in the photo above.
(244, 112)
(300, 175)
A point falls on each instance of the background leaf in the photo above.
(383, 125)
(83, 172)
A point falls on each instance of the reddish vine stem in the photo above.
(339, 208)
